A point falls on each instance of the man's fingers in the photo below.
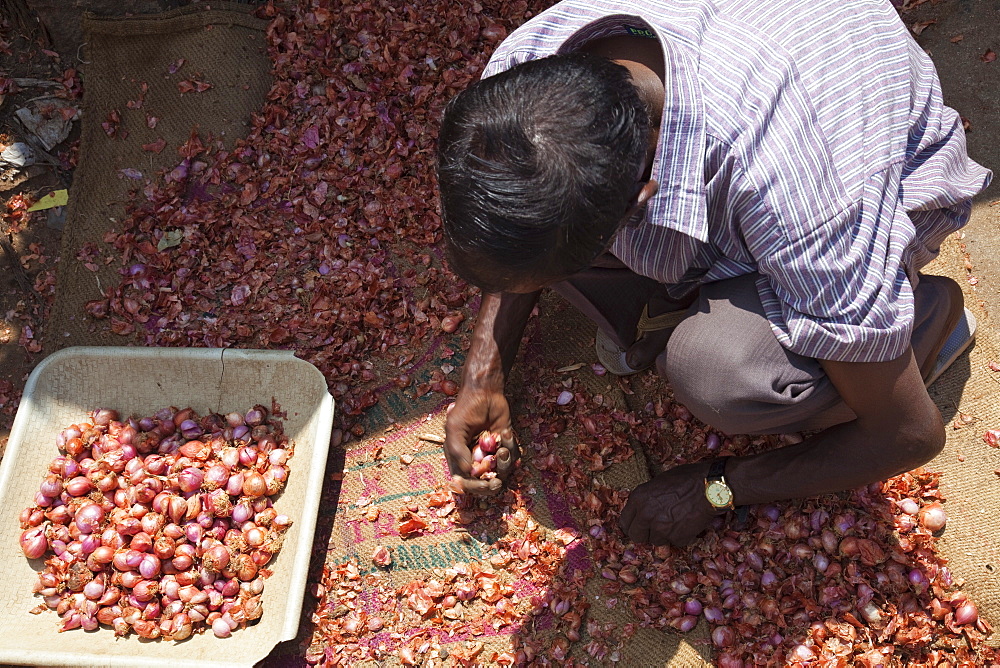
(505, 463)
(476, 487)
(628, 513)
(639, 532)
(507, 454)
(458, 453)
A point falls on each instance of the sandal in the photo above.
(958, 341)
(612, 356)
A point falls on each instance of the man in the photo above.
(741, 193)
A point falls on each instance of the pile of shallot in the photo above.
(161, 525)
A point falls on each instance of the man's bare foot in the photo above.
(938, 292)
(647, 346)
(651, 342)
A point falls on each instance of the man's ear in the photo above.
(648, 189)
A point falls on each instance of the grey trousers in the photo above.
(723, 361)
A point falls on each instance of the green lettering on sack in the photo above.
(436, 558)
(401, 556)
(375, 416)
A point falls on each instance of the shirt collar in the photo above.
(678, 163)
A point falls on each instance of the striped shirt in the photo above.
(807, 143)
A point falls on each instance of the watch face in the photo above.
(719, 495)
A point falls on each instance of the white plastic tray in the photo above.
(72, 382)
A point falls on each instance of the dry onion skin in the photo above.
(161, 526)
(851, 579)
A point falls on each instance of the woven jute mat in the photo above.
(968, 395)
(127, 73)
(397, 466)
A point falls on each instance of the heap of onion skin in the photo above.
(160, 526)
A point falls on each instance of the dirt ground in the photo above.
(22, 257)
(963, 40)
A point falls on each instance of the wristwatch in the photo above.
(717, 490)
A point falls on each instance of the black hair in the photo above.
(537, 166)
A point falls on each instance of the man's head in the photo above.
(537, 168)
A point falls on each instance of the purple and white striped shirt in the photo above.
(805, 143)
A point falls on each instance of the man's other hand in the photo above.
(669, 509)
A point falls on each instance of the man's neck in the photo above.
(643, 58)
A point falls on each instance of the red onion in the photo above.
(130, 579)
(79, 486)
(255, 537)
(216, 476)
(684, 624)
(723, 636)
(714, 614)
(149, 567)
(843, 523)
(727, 660)
(693, 607)
(274, 477)
(771, 512)
(248, 455)
(190, 479)
(190, 429)
(966, 613)
(802, 653)
(104, 416)
(242, 512)
(220, 628)
(933, 517)
(58, 514)
(33, 543)
(488, 442)
(255, 416)
(51, 486)
(254, 484)
(89, 517)
(216, 558)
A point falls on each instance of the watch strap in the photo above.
(717, 470)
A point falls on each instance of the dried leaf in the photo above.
(170, 239)
(921, 26)
(989, 56)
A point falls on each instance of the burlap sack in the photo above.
(221, 44)
(225, 46)
(970, 482)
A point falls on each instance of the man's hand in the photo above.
(481, 404)
(474, 412)
(670, 508)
